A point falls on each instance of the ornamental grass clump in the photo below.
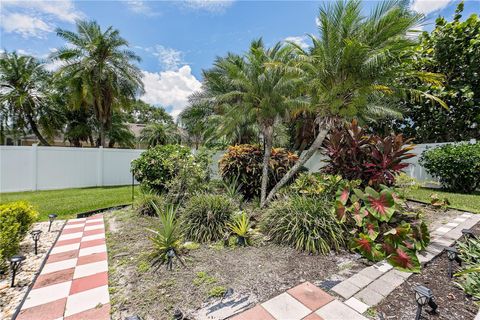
(145, 203)
(205, 217)
(305, 223)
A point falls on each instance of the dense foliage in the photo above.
(469, 277)
(320, 185)
(243, 163)
(305, 223)
(206, 216)
(380, 227)
(375, 160)
(15, 220)
(146, 203)
(157, 169)
(456, 166)
(452, 49)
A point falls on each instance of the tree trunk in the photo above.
(267, 138)
(102, 135)
(35, 130)
(323, 131)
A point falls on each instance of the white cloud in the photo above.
(141, 7)
(298, 40)
(170, 88)
(36, 18)
(429, 6)
(169, 58)
(208, 5)
(25, 25)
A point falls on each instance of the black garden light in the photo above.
(468, 233)
(15, 263)
(178, 314)
(36, 236)
(452, 255)
(424, 296)
(170, 255)
(51, 217)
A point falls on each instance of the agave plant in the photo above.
(167, 239)
(241, 227)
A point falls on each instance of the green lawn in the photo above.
(68, 202)
(469, 202)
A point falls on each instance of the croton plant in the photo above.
(380, 227)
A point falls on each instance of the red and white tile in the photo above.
(73, 284)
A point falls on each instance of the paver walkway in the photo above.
(73, 283)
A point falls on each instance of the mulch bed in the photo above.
(451, 300)
(261, 271)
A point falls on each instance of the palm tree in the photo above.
(158, 134)
(355, 63)
(24, 91)
(259, 87)
(100, 71)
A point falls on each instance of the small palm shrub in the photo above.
(374, 160)
(320, 185)
(146, 202)
(167, 238)
(380, 228)
(205, 217)
(469, 277)
(457, 166)
(15, 220)
(305, 223)
(244, 163)
(240, 226)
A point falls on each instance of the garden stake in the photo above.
(15, 263)
(424, 296)
(36, 236)
(452, 255)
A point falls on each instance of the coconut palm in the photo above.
(100, 71)
(257, 87)
(158, 134)
(24, 91)
(356, 63)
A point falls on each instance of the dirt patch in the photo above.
(452, 301)
(262, 271)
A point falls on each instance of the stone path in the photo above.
(358, 293)
(73, 283)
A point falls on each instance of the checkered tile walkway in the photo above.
(73, 284)
(303, 302)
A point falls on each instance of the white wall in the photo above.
(44, 168)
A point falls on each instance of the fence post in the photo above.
(100, 167)
(34, 166)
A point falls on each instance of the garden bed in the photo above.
(10, 298)
(452, 301)
(260, 272)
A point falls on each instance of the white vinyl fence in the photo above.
(45, 168)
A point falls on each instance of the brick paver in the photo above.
(73, 284)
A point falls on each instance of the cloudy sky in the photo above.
(177, 39)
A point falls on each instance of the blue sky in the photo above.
(177, 39)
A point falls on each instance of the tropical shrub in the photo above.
(168, 238)
(320, 185)
(305, 223)
(241, 227)
(146, 202)
(404, 185)
(15, 220)
(244, 163)
(437, 202)
(157, 169)
(380, 228)
(457, 166)
(356, 155)
(205, 217)
(469, 277)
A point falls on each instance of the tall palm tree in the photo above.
(100, 70)
(24, 91)
(259, 88)
(158, 134)
(355, 63)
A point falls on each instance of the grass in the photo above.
(67, 203)
(468, 202)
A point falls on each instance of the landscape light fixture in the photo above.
(177, 314)
(51, 217)
(424, 296)
(170, 255)
(15, 263)
(36, 236)
(468, 233)
(452, 255)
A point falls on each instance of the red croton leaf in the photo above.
(367, 248)
(404, 259)
(380, 205)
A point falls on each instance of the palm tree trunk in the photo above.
(317, 143)
(102, 135)
(268, 138)
(35, 130)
